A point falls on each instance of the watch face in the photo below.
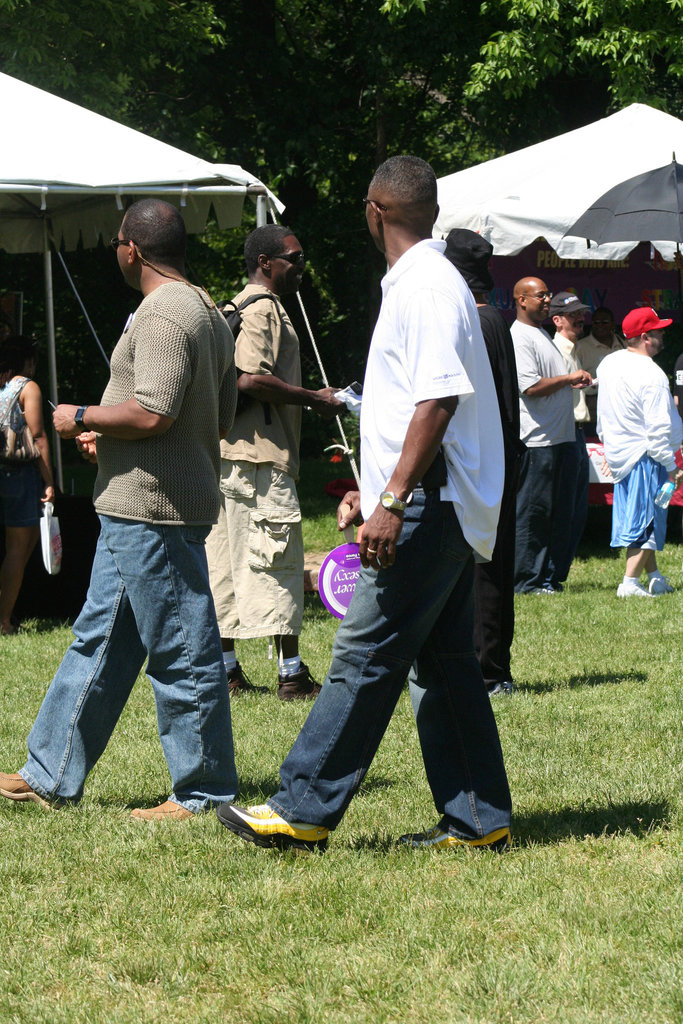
(387, 500)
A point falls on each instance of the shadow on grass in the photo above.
(546, 828)
(28, 625)
(251, 791)
(256, 790)
(374, 782)
(551, 828)
(585, 679)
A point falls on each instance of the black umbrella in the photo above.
(646, 207)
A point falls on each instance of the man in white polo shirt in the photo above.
(641, 430)
(431, 484)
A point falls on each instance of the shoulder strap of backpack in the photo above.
(254, 298)
(229, 309)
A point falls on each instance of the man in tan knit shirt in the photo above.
(255, 551)
(171, 392)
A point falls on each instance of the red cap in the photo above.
(640, 321)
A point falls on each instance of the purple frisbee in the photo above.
(337, 578)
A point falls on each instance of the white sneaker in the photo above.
(634, 590)
(660, 585)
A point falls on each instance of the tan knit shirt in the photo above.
(176, 359)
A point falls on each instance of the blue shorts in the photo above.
(21, 489)
(636, 521)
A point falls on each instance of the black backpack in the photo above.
(233, 313)
(233, 317)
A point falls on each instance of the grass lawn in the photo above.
(104, 920)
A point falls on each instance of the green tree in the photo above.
(553, 65)
(311, 96)
(103, 54)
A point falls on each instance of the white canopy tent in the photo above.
(543, 189)
(65, 171)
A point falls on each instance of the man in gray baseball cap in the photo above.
(567, 313)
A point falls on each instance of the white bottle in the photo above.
(663, 495)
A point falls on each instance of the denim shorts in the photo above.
(21, 489)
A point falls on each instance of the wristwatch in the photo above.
(390, 501)
(78, 416)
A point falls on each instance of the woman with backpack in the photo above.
(25, 471)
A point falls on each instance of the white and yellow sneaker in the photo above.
(263, 826)
(437, 839)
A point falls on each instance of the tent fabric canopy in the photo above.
(73, 167)
(64, 173)
(543, 189)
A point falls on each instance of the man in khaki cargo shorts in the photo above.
(255, 551)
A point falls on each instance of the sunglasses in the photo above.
(373, 202)
(297, 259)
(116, 242)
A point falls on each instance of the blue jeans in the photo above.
(544, 514)
(148, 598)
(419, 610)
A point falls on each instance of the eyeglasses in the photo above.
(538, 295)
(373, 202)
(297, 259)
(116, 242)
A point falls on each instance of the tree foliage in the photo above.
(311, 96)
(104, 53)
(577, 59)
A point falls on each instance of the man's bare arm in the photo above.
(549, 385)
(266, 387)
(127, 421)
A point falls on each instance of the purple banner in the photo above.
(642, 278)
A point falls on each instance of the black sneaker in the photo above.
(263, 826)
(298, 686)
(238, 681)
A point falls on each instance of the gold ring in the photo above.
(371, 551)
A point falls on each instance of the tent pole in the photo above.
(261, 211)
(51, 347)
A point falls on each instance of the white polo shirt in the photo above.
(428, 344)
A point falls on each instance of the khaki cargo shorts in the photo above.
(256, 553)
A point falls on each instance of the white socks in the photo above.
(290, 666)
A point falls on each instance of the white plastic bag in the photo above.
(50, 540)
